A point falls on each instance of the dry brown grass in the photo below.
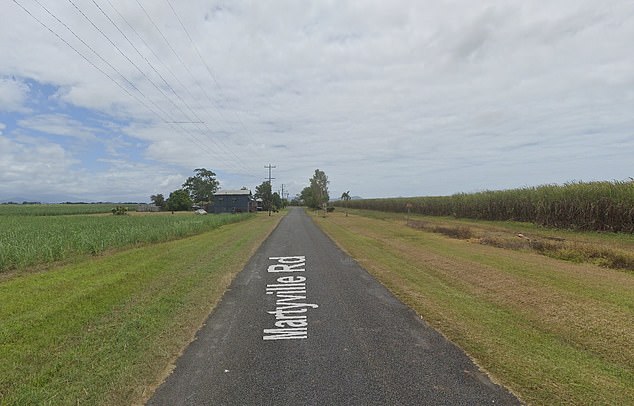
(553, 331)
(571, 248)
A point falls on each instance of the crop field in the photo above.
(553, 331)
(30, 240)
(598, 206)
(59, 209)
(102, 330)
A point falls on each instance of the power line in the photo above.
(186, 68)
(151, 50)
(94, 52)
(77, 51)
(172, 120)
(115, 46)
(146, 60)
(94, 65)
(200, 121)
(168, 117)
(209, 71)
(217, 143)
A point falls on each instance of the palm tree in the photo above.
(345, 196)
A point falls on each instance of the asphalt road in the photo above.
(340, 338)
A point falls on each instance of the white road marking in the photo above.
(291, 321)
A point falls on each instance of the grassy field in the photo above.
(104, 330)
(29, 240)
(59, 209)
(553, 331)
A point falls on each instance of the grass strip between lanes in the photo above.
(552, 331)
(104, 330)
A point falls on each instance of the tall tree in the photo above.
(345, 196)
(202, 186)
(264, 192)
(306, 197)
(179, 200)
(319, 187)
(158, 200)
(276, 201)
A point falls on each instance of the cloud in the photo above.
(29, 166)
(13, 95)
(59, 124)
(398, 98)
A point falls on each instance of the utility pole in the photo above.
(270, 184)
(282, 196)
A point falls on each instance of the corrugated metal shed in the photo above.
(233, 201)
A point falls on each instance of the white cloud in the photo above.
(59, 124)
(13, 95)
(31, 167)
(389, 98)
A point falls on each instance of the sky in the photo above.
(112, 100)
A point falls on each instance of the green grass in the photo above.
(26, 241)
(60, 209)
(103, 331)
(554, 332)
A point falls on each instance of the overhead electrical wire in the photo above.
(112, 79)
(115, 46)
(81, 55)
(202, 88)
(171, 120)
(178, 96)
(188, 120)
(200, 121)
(209, 71)
(94, 52)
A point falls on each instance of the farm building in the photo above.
(147, 207)
(233, 201)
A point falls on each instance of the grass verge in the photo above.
(554, 332)
(103, 331)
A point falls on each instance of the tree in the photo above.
(158, 200)
(202, 186)
(276, 201)
(319, 188)
(264, 192)
(306, 197)
(179, 200)
(345, 196)
(297, 200)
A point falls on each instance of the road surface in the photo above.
(303, 324)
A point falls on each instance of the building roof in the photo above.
(232, 193)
